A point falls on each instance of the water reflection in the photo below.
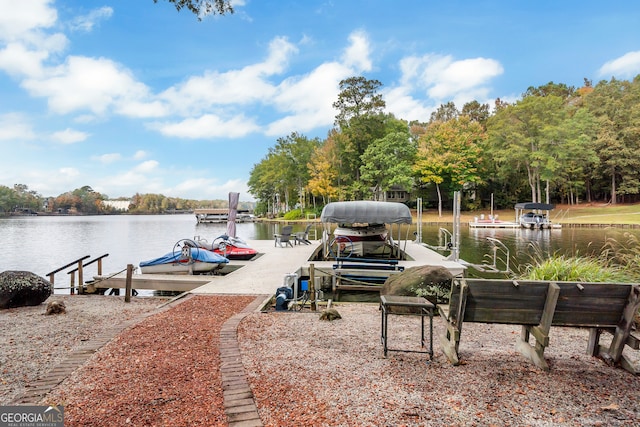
(43, 244)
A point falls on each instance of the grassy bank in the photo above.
(588, 214)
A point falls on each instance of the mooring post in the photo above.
(80, 278)
(127, 293)
(312, 286)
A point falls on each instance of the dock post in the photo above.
(80, 278)
(127, 293)
(312, 286)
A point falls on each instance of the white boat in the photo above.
(361, 229)
(362, 232)
(185, 260)
(537, 216)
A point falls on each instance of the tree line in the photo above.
(85, 200)
(555, 144)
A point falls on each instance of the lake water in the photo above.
(42, 244)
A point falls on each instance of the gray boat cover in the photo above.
(366, 211)
(532, 205)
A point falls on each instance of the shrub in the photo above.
(293, 215)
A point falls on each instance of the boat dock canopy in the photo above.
(366, 211)
(531, 205)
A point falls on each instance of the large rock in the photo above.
(429, 281)
(23, 288)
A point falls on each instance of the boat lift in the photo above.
(450, 241)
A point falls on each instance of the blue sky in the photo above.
(130, 96)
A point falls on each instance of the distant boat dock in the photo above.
(204, 216)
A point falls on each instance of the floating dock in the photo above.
(265, 273)
(493, 224)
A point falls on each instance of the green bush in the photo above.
(293, 215)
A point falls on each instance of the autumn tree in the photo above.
(450, 151)
(324, 170)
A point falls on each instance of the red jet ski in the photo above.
(232, 248)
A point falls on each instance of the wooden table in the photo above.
(408, 306)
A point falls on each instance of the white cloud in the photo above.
(247, 85)
(446, 78)
(18, 19)
(146, 167)
(18, 61)
(141, 109)
(68, 172)
(204, 188)
(400, 102)
(69, 136)
(108, 158)
(357, 53)
(87, 22)
(442, 79)
(15, 127)
(140, 154)
(628, 65)
(86, 83)
(310, 98)
(208, 126)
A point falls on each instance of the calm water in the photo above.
(43, 244)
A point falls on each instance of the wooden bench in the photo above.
(538, 305)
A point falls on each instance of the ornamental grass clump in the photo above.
(575, 269)
(615, 263)
(624, 253)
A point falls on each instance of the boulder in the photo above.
(428, 281)
(23, 288)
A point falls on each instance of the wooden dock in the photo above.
(264, 274)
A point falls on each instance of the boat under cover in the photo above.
(186, 261)
(534, 219)
(362, 225)
(362, 233)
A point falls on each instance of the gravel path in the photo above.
(303, 371)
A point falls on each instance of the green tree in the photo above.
(529, 135)
(444, 113)
(27, 199)
(476, 112)
(556, 89)
(284, 172)
(388, 161)
(360, 120)
(358, 97)
(202, 8)
(450, 151)
(8, 199)
(615, 105)
(578, 156)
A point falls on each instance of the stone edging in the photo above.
(239, 404)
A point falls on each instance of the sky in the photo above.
(131, 96)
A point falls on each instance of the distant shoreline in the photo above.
(588, 215)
